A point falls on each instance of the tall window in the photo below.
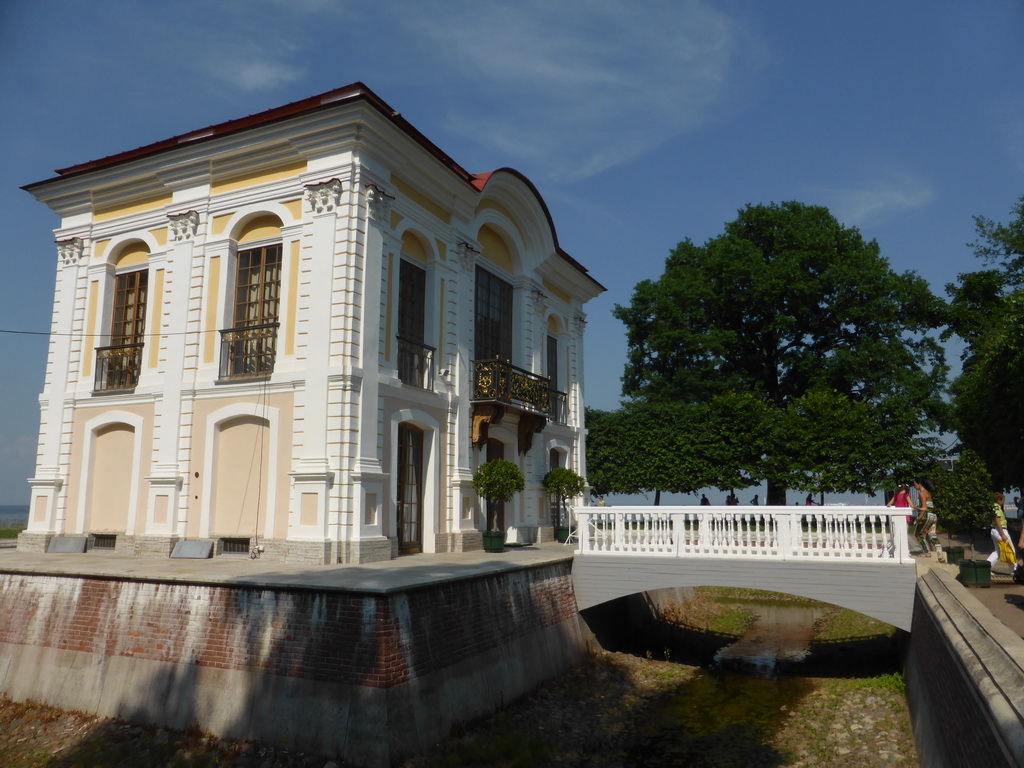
(248, 348)
(493, 324)
(117, 366)
(410, 489)
(415, 359)
(258, 286)
(557, 410)
(553, 361)
(129, 322)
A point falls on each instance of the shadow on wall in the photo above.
(367, 678)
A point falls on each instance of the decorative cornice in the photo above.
(183, 226)
(579, 324)
(324, 197)
(69, 252)
(379, 203)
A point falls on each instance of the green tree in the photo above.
(963, 496)
(642, 448)
(561, 484)
(497, 480)
(677, 447)
(788, 303)
(987, 312)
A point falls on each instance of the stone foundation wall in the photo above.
(33, 542)
(367, 677)
(965, 680)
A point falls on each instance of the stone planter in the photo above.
(976, 573)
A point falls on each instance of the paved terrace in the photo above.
(1004, 600)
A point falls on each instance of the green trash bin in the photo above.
(976, 573)
(954, 555)
(494, 541)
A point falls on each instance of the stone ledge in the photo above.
(989, 658)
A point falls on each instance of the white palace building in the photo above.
(302, 331)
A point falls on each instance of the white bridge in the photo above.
(854, 557)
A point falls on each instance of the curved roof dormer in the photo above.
(510, 201)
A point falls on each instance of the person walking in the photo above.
(704, 500)
(901, 499)
(999, 531)
(754, 501)
(925, 522)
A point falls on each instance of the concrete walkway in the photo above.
(403, 573)
(1004, 598)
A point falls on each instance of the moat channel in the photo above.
(759, 680)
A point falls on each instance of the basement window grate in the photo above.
(234, 546)
(104, 541)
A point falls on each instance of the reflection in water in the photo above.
(720, 719)
(781, 636)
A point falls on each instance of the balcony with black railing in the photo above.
(117, 367)
(498, 381)
(415, 364)
(248, 351)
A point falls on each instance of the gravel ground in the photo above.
(587, 717)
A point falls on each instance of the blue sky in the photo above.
(641, 123)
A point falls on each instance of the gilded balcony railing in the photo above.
(248, 351)
(498, 381)
(415, 364)
(117, 367)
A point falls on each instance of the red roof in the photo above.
(346, 94)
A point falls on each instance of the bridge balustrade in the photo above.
(775, 533)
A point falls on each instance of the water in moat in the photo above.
(776, 687)
(731, 711)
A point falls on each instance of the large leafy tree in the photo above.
(788, 304)
(641, 448)
(987, 311)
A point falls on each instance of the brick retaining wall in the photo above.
(368, 677)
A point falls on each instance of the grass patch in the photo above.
(844, 624)
(751, 595)
(11, 533)
(888, 683)
(705, 613)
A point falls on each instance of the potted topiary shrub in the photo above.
(963, 501)
(562, 484)
(497, 480)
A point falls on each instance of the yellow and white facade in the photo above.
(302, 331)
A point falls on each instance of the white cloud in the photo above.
(576, 87)
(256, 75)
(877, 200)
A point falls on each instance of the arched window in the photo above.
(249, 347)
(118, 364)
